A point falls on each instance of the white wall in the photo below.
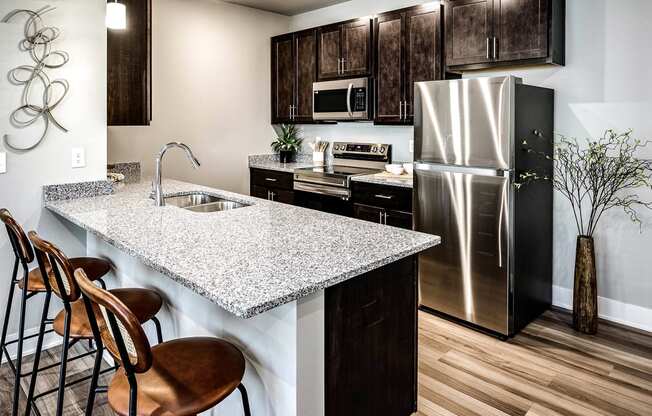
(83, 112)
(607, 83)
(211, 89)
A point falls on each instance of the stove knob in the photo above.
(382, 150)
(337, 147)
(373, 149)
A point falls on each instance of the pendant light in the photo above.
(116, 15)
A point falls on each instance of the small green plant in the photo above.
(288, 140)
(602, 174)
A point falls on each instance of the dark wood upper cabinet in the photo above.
(344, 49)
(283, 76)
(306, 70)
(407, 46)
(129, 81)
(356, 48)
(389, 67)
(521, 29)
(423, 51)
(490, 33)
(468, 31)
(293, 72)
(329, 47)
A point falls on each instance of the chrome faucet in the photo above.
(156, 185)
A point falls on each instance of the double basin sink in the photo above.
(199, 202)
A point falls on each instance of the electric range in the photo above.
(328, 188)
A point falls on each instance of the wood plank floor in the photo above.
(547, 370)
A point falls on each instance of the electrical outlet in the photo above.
(3, 162)
(411, 146)
(78, 157)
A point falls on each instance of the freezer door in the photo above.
(467, 275)
(467, 122)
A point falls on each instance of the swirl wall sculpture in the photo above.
(34, 79)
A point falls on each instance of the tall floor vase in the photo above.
(585, 294)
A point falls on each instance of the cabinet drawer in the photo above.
(272, 179)
(389, 197)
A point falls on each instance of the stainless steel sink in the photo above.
(202, 203)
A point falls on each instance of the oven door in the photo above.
(341, 100)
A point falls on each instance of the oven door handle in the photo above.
(342, 193)
(348, 99)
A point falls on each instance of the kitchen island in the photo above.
(322, 306)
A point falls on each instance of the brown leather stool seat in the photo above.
(95, 269)
(187, 377)
(144, 303)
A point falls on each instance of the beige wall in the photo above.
(83, 112)
(211, 89)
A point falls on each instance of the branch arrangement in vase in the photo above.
(594, 177)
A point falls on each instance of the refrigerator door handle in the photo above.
(506, 173)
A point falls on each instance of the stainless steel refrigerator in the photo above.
(493, 269)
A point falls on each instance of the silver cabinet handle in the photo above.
(405, 113)
(488, 47)
(348, 99)
(343, 66)
(400, 110)
(381, 196)
(380, 217)
(271, 195)
(270, 179)
(385, 218)
(495, 48)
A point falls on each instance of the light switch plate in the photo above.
(3, 162)
(78, 157)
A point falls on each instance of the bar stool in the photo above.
(31, 284)
(73, 324)
(181, 377)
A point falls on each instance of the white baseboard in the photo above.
(609, 309)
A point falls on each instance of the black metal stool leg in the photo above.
(96, 374)
(37, 353)
(64, 361)
(19, 347)
(159, 332)
(245, 399)
(102, 284)
(8, 311)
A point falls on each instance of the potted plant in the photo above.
(288, 143)
(595, 177)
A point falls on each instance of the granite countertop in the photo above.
(247, 260)
(384, 178)
(272, 162)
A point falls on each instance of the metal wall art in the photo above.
(41, 95)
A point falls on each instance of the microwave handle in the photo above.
(348, 99)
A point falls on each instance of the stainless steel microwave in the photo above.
(346, 99)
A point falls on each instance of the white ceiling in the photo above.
(287, 7)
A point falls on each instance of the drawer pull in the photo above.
(270, 179)
(381, 196)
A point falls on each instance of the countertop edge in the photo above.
(268, 305)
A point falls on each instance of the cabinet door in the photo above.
(399, 219)
(259, 192)
(329, 52)
(356, 47)
(306, 73)
(280, 195)
(368, 213)
(282, 78)
(423, 51)
(129, 80)
(521, 29)
(468, 31)
(389, 67)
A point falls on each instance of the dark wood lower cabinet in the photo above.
(371, 343)
(271, 185)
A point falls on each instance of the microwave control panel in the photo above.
(359, 99)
